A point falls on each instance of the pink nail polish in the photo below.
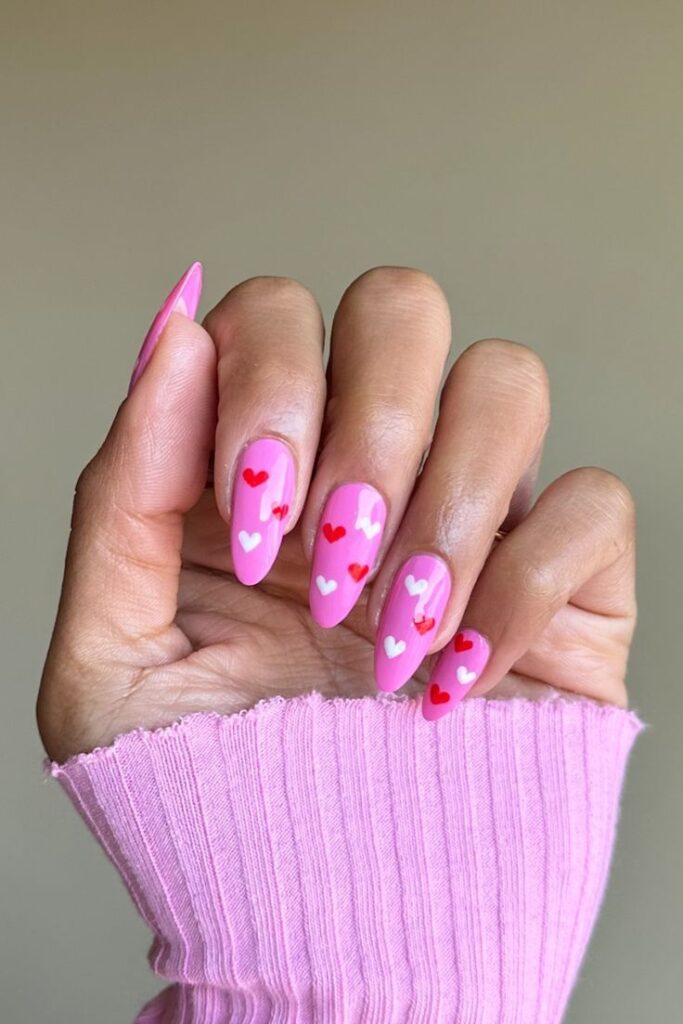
(184, 298)
(459, 666)
(410, 619)
(346, 546)
(261, 504)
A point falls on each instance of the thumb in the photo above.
(120, 586)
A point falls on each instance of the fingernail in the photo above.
(459, 666)
(183, 298)
(410, 619)
(346, 546)
(261, 503)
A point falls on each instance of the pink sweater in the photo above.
(344, 860)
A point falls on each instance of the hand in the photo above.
(152, 622)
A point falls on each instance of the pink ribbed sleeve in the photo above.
(344, 860)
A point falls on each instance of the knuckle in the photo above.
(267, 293)
(406, 286)
(512, 369)
(610, 498)
(538, 582)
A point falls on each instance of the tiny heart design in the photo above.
(438, 696)
(369, 528)
(255, 479)
(415, 587)
(464, 677)
(249, 541)
(393, 647)
(358, 571)
(280, 511)
(333, 533)
(325, 586)
(462, 645)
(424, 625)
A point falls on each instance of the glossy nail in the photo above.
(459, 666)
(346, 546)
(183, 298)
(261, 503)
(410, 619)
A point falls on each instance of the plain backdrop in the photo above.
(528, 155)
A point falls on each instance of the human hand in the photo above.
(152, 622)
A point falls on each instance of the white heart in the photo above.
(393, 647)
(325, 586)
(369, 528)
(415, 587)
(249, 541)
(464, 677)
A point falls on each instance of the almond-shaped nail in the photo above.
(183, 298)
(261, 503)
(410, 619)
(346, 546)
(459, 666)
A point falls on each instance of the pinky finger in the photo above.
(555, 595)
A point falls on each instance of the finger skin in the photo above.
(576, 544)
(493, 417)
(390, 340)
(269, 334)
(119, 595)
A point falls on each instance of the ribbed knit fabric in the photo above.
(315, 860)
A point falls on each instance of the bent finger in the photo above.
(269, 336)
(570, 560)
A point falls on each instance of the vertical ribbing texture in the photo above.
(316, 860)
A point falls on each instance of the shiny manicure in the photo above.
(346, 546)
(459, 666)
(262, 499)
(183, 298)
(410, 619)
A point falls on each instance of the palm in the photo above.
(249, 643)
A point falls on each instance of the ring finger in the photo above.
(493, 418)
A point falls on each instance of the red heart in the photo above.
(438, 696)
(424, 625)
(461, 644)
(358, 571)
(254, 479)
(333, 533)
(280, 511)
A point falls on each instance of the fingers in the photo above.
(570, 559)
(493, 417)
(269, 334)
(123, 558)
(390, 339)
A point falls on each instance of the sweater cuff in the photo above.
(318, 860)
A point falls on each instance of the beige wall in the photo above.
(529, 155)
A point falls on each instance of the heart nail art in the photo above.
(325, 586)
(262, 496)
(369, 528)
(463, 676)
(254, 479)
(249, 541)
(415, 587)
(345, 549)
(424, 625)
(393, 647)
(459, 666)
(438, 696)
(333, 533)
(413, 610)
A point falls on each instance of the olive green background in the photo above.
(528, 155)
